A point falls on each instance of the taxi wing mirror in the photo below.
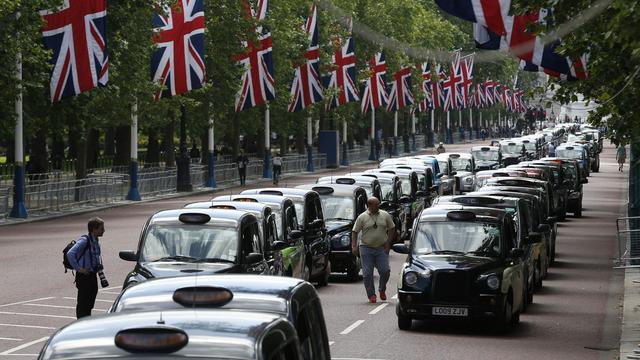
(295, 235)
(584, 181)
(434, 188)
(384, 205)
(544, 228)
(316, 224)
(421, 193)
(552, 219)
(278, 245)
(453, 173)
(253, 258)
(400, 248)
(404, 199)
(128, 255)
(439, 175)
(516, 253)
(534, 238)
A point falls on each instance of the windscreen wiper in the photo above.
(337, 218)
(212, 260)
(448, 252)
(176, 258)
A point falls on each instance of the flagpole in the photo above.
(266, 165)
(19, 210)
(211, 159)
(413, 131)
(499, 124)
(471, 123)
(310, 144)
(448, 139)
(134, 194)
(480, 124)
(372, 153)
(395, 133)
(183, 177)
(460, 129)
(345, 146)
(430, 135)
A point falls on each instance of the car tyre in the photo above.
(323, 280)
(404, 322)
(505, 320)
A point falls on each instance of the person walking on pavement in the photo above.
(440, 149)
(621, 157)
(377, 233)
(242, 162)
(277, 168)
(85, 258)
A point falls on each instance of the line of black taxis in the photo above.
(482, 252)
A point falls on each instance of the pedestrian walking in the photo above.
(277, 168)
(621, 157)
(242, 162)
(483, 133)
(551, 150)
(440, 149)
(86, 259)
(389, 148)
(377, 233)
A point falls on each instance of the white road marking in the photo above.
(31, 355)
(377, 309)
(43, 315)
(27, 301)
(29, 326)
(110, 292)
(99, 300)
(331, 343)
(351, 327)
(112, 288)
(395, 296)
(10, 339)
(62, 307)
(26, 345)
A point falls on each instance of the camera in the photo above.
(103, 279)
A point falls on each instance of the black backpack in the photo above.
(65, 260)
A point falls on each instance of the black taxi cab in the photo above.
(267, 224)
(369, 184)
(309, 210)
(464, 166)
(463, 263)
(294, 255)
(176, 334)
(294, 299)
(341, 205)
(184, 242)
(486, 157)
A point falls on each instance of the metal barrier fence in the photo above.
(628, 233)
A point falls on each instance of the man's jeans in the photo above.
(378, 258)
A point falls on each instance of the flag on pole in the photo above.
(374, 94)
(427, 89)
(257, 79)
(343, 77)
(177, 64)
(489, 93)
(76, 35)
(400, 94)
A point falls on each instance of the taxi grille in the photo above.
(451, 286)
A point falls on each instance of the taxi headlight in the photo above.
(468, 180)
(445, 185)
(410, 278)
(345, 240)
(493, 282)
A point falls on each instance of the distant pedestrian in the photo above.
(242, 162)
(483, 133)
(277, 168)
(440, 149)
(621, 157)
(377, 233)
(86, 259)
(390, 147)
(551, 150)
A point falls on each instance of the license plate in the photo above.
(449, 311)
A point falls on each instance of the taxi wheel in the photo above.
(353, 271)
(578, 213)
(323, 280)
(505, 320)
(404, 322)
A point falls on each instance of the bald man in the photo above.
(377, 230)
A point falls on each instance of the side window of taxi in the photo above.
(250, 239)
(361, 204)
(510, 235)
(292, 219)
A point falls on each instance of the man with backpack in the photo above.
(85, 258)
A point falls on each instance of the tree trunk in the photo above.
(81, 166)
(73, 142)
(235, 133)
(93, 148)
(123, 146)
(109, 139)
(284, 144)
(57, 152)
(168, 145)
(204, 153)
(39, 163)
(301, 145)
(153, 149)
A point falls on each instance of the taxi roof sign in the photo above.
(159, 339)
(202, 296)
(194, 218)
(461, 215)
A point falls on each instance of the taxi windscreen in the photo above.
(387, 190)
(461, 164)
(464, 237)
(515, 149)
(569, 154)
(337, 207)
(189, 243)
(490, 155)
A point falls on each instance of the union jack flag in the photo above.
(450, 86)
(178, 62)
(427, 86)
(466, 70)
(400, 94)
(257, 61)
(76, 35)
(375, 94)
(506, 98)
(478, 96)
(306, 88)
(497, 95)
(488, 93)
(343, 76)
